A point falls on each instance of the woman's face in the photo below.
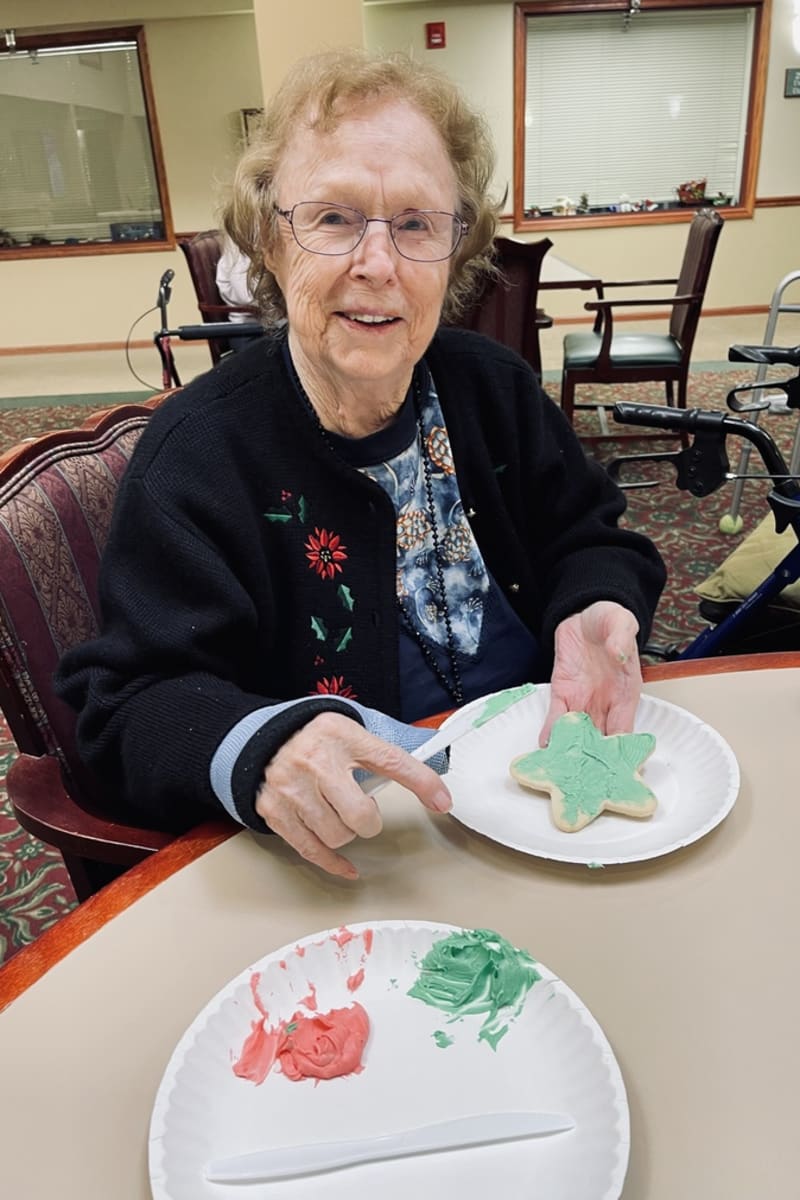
(382, 160)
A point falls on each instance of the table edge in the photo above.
(30, 963)
(33, 961)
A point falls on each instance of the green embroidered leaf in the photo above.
(499, 470)
(277, 514)
(346, 597)
(320, 628)
(345, 639)
(302, 509)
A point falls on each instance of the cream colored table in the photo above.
(558, 273)
(689, 962)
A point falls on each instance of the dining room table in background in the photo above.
(687, 961)
(558, 274)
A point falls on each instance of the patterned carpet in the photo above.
(34, 888)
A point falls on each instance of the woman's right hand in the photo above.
(310, 798)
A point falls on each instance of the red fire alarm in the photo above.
(435, 36)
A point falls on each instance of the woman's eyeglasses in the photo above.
(423, 235)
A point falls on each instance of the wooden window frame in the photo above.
(133, 33)
(524, 10)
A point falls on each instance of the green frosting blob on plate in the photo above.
(476, 971)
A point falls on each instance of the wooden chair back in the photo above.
(506, 308)
(698, 255)
(202, 253)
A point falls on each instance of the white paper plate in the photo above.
(693, 772)
(554, 1057)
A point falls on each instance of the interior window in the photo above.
(630, 113)
(80, 160)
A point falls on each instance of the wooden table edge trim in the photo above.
(33, 961)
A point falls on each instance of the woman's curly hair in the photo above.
(318, 92)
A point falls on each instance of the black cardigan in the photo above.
(211, 606)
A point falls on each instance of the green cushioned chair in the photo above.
(606, 356)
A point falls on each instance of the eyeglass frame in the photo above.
(461, 228)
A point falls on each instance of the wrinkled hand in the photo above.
(596, 669)
(309, 796)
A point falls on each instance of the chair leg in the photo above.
(88, 876)
(670, 394)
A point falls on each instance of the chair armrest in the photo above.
(44, 808)
(604, 323)
(637, 283)
(602, 305)
(623, 283)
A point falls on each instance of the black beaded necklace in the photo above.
(453, 686)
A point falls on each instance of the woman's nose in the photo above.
(376, 254)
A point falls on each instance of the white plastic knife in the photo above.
(287, 1161)
(459, 723)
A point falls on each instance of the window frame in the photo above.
(525, 10)
(85, 37)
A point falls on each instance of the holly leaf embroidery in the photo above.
(345, 638)
(346, 597)
(302, 509)
(319, 628)
(277, 514)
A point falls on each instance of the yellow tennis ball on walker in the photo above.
(730, 524)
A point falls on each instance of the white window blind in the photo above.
(632, 108)
(76, 161)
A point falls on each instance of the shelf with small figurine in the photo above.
(689, 195)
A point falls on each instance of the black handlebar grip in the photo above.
(677, 420)
(218, 329)
(765, 354)
(627, 413)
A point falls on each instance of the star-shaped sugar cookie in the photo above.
(587, 773)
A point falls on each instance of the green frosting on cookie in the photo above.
(587, 772)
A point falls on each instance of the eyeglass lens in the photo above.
(424, 235)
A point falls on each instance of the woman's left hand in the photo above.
(596, 669)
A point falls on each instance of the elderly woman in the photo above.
(364, 518)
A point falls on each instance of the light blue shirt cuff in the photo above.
(378, 723)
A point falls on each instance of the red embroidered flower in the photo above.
(335, 686)
(325, 553)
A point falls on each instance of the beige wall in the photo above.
(205, 68)
(324, 24)
(753, 255)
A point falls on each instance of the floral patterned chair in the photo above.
(56, 496)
